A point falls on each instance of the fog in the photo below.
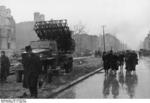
(129, 20)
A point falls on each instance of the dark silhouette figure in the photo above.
(131, 60)
(105, 58)
(114, 62)
(4, 66)
(32, 69)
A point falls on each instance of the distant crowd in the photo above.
(115, 60)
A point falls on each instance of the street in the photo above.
(122, 86)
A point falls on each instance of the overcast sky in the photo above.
(129, 20)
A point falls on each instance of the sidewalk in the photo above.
(81, 70)
(66, 86)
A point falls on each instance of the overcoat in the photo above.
(32, 68)
(5, 65)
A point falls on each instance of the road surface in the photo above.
(135, 85)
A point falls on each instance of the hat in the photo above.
(28, 48)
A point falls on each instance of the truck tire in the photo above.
(19, 76)
(68, 67)
(49, 77)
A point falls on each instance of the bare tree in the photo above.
(79, 28)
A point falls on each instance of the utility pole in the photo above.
(103, 26)
(99, 42)
(123, 46)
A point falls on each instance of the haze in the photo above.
(129, 20)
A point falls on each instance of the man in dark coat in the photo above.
(110, 59)
(5, 65)
(114, 62)
(32, 69)
(131, 61)
(105, 62)
(127, 60)
(134, 60)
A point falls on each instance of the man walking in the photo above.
(32, 69)
(5, 65)
(105, 62)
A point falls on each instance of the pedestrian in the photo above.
(105, 62)
(128, 61)
(134, 60)
(32, 69)
(5, 65)
(114, 65)
(131, 61)
(110, 59)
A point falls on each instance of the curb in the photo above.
(63, 88)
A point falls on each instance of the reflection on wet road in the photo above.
(121, 85)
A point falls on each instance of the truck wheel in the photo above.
(18, 76)
(68, 67)
(49, 76)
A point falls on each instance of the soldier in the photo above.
(32, 69)
(5, 65)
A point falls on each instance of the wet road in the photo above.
(123, 85)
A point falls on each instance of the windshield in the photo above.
(51, 45)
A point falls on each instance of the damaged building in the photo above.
(7, 30)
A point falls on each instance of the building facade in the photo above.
(39, 17)
(7, 30)
(146, 43)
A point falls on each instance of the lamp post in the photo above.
(103, 26)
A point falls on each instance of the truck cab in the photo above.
(54, 47)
